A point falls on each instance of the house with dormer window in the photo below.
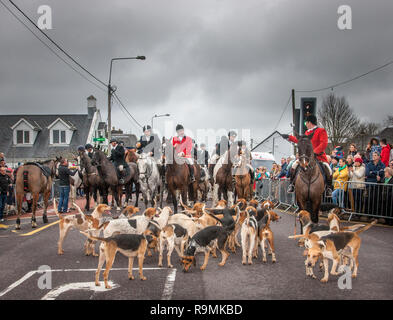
(38, 137)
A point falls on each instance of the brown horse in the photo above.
(223, 180)
(177, 174)
(132, 180)
(31, 178)
(131, 156)
(309, 182)
(92, 181)
(242, 178)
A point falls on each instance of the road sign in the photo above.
(98, 139)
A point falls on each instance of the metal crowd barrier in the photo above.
(356, 198)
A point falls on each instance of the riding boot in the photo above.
(329, 182)
(292, 175)
(191, 169)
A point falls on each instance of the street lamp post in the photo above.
(158, 116)
(112, 89)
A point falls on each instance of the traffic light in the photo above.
(308, 106)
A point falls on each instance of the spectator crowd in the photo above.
(363, 180)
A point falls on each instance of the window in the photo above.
(22, 137)
(27, 136)
(19, 136)
(59, 136)
(63, 137)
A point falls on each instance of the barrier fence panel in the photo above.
(356, 198)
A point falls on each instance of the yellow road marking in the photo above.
(36, 230)
(3, 226)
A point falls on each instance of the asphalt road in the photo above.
(72, 276)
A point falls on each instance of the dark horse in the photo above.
(92, 181)
(309, 182)
(177, 174)
(31, 178)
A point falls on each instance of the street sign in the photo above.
(98, 139)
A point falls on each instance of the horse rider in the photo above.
(149, 143)
(319, 140)
(243, 147)
(203, 156)
(117, 157)
(183, 146)
(90, 150)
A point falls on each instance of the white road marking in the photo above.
(31, 273)
(169, 284)
(17, 283)
(53, 294)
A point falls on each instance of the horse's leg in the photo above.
(19, 200)
(35, 200)
(137, 191)
(46, 199)
(87, 195)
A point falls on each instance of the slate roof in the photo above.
(41, 148)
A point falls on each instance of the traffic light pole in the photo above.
(293, 117)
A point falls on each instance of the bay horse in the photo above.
(242, 177)
(92, 181)
(31, 178)
(177, 174)
(309, 182)
(222, 177)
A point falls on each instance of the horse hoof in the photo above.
(45, 219)
(17, 227)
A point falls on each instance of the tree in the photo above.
(388, 121)
(338, 119)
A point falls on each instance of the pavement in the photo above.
(24, 253)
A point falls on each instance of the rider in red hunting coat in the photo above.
(319, 141)
(183, 147)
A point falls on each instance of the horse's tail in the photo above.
(26, 180)
(309, 205)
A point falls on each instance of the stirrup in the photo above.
(291, 188)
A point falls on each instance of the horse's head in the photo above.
(97, 157)
(306, 151)
(143, 166)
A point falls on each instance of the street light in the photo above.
(158, 116)
(112, 89)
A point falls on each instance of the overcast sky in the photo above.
(210, 63)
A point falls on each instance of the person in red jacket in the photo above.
(319, 140)
(183, 146)
(385, 152)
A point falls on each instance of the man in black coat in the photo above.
(90, 150)
(64, 174)
(117, 157)
(5, 182)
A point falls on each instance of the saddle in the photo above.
(45, 170)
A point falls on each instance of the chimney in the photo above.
(91, 107)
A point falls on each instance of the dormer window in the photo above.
(60, 132)
(25, 132)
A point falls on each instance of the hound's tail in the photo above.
(366, 227)
(55, 208)
(91, 237)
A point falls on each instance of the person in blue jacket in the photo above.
(374, 175)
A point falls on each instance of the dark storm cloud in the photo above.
(211, 64)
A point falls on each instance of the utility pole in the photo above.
(109, 112)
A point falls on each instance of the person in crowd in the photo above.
(374, 147)
(283, 172)
(387, 195)
(367, 153)
(350, 161)
(340, 177)
(375, 176)
(385, 152)
(357, 174)
(64, 186)
(352, 150)
(334, 163)
(339, 152)
(5, 182)
(391, 164)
